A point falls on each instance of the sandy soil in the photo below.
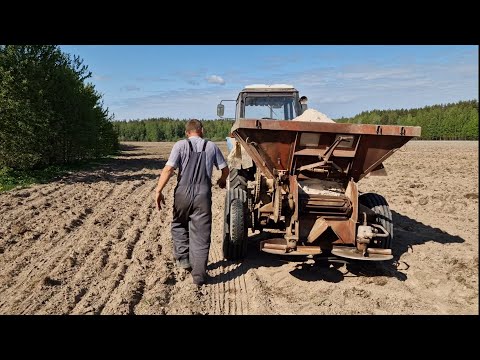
(93, 243)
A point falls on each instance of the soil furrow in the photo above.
(93, 243)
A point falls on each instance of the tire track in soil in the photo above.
(217, 289)
(228, 292)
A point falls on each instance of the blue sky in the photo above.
(185, 81)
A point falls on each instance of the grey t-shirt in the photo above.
(181, 152)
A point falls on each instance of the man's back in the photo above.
(181, 153)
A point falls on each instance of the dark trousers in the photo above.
(191, 227)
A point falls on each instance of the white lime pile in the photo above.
(321, 187)
(314, 116)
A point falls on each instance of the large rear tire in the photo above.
(235, 242)
(379, 205)
(237, 179)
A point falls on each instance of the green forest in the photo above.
(49, 114)
(458, 121)
(167, 129)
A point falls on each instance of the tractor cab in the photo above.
(273, 102)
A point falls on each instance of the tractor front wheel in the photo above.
(235, 242)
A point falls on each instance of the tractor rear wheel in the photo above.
(237, 179)
(379, 205)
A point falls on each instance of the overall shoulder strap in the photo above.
(205, 145)
(189, 143)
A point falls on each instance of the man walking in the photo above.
(192, 208)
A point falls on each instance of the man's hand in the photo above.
(222, 183)
(164, 177)
(159, 199)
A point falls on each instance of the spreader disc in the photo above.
(353, 253)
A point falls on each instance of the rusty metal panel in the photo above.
(345, 230)
(352, 193)
(318, 228)
(316, 152)
(270, 152)
(378, 130)
(269, 143)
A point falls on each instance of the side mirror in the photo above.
(220, 110)
(303, 103)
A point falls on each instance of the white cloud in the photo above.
(101, 77)
(153, 78)
(377, 73)
(215, 79)
(131, 88)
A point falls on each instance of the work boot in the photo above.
(183, 264)
(205, 280)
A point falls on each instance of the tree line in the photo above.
(438, 122)
(168, 129)
(49, 114)
(455, 121)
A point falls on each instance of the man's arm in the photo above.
(222, 182)
(220, 163)
(166, 174)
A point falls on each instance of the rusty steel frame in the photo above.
(276, 148)
(338, 128)
(270, 143)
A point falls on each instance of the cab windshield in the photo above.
(269, 107)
